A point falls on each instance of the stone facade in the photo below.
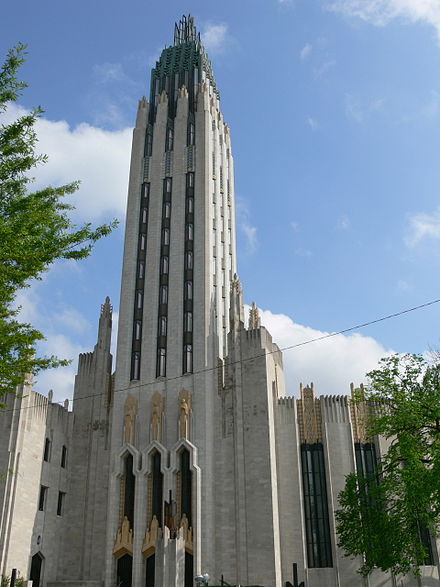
(190, 458)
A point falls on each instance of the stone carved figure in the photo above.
(254, 317)
(130, 409)
(151, 536)
(156, 417)
(124, 539)
(184, 413)
(186, 530)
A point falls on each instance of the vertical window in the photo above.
(186, 485)
(157, 486)
(129, 482)
(141, 268)
(47, 444)
(139, 299)
(188, 322)
(365, 454)
(189, 205)
(64, 456)
(190, 179)
(164, 264)
(149, 145)
(144, 216)
(170, 140)
(161, 362)
(425, 539)
(162, 325)
(188, 290)
(168, 185)
(42, 499)
(60, 504)
(165, 236)
(190, 232)
(187, 358)
(163, 294)
(188, 260)
(137, 329)
(142, 241)
(319, 552)
(167, 209)
(191, 134)
(135, 365)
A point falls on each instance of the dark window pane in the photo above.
(315, 506)
(60, 505)
(42, 499)
(47, 450)
(64, 457)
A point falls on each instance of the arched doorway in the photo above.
(36, 567)
(124, 571)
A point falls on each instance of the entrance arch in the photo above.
(36, 569)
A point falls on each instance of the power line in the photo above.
(286, 348)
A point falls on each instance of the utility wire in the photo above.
(286, 348)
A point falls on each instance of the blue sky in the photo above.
(334, 110)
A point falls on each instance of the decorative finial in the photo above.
(254, 317)
(106, 307)
(185, 30)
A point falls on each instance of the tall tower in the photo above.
(179, 261)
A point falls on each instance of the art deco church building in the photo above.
(188, 459)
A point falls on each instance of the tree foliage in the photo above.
(35, 230)
(386, 517)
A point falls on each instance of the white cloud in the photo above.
(251, 236)
(245, 225)
(320, 70)
(343, 222)
(353, 108)
(60, 380)
(380, 12)
(403, 285)
(214, 37)
(98, 158)
(295, 226)
(300, 252)
(331, 364)
(312, 122)
(69, 317)
(423, 225)
(377, 105)
(432, 108)
(305, 51)
(109, 72)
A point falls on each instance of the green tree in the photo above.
(35, 231)
(386, 517)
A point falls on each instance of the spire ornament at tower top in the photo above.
(254, 317)
(185, 30)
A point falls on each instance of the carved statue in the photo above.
(130, 409)
(184, 413)
(151, 536)
(124, 539)
(156, 417)
(186, 531)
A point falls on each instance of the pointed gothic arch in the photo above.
(36, 572)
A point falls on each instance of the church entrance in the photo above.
(124, 571)
(36, 566)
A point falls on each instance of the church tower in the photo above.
(179, 261)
